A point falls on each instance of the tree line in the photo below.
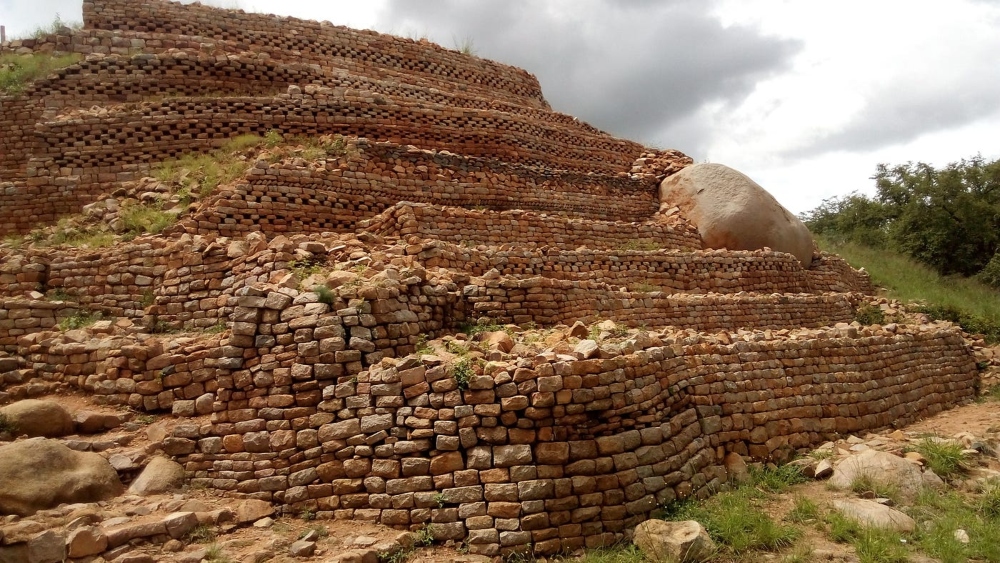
(947, 218)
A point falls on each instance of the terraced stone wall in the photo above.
(548, 302)
(343, 192)
(553, 452)
(359, 52)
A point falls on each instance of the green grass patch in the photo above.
(18, 71)
(737, 521)
(973, 305)
(944, 458)
(624, 553)
(872, 545)
(940, 514)
(805, 510)
(78, 320)
(870, 485)
(776, 480)
(140, 218)
(198, 175)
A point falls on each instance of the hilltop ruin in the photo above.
(430, 300)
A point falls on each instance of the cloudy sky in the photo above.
(806, 97)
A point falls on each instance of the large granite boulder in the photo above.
(161, 475)
(38, 474)
(732, 211)
(680, 542)
(39, 418)
(878, 468)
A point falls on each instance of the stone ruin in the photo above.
(301, 328)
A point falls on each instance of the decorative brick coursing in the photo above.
(154, 131)
(520, 228)
(336, 194)
(359, 52)
(719, 271)
(547, 302)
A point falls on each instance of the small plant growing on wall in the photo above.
(463, 373)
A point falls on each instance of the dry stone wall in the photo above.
(19, 317)
(317, 406)
(561, 452)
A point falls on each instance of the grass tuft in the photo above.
(868, 484)
(140, 218)
(776, 480)
(78, 320)
(872, 545)
(944, 458)
(805, 510)
(622, 553)
(6, 424)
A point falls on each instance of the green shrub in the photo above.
(869, 314)
(273, 138)
(18, 71)
(6, 424)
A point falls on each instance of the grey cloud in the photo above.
(910, 111)
(635, 68)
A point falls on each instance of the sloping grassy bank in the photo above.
(963, 300)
